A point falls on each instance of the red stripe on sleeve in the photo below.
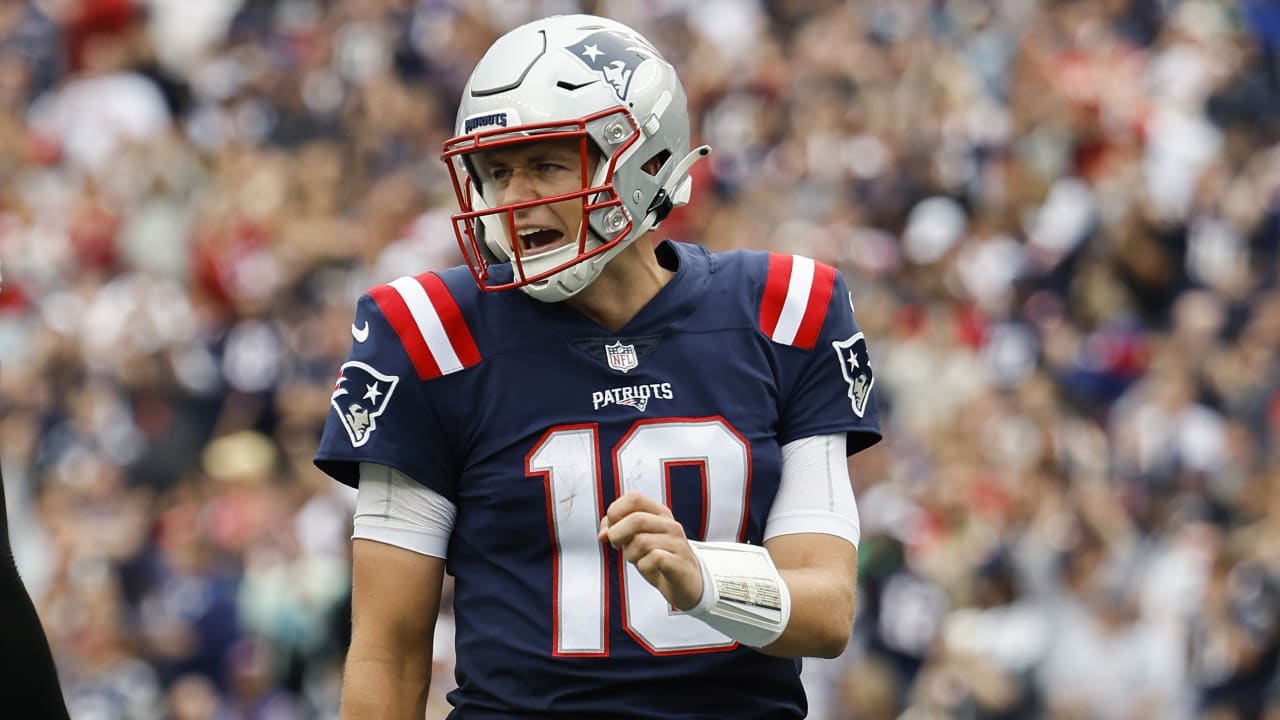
(455, 326)
(775, 292)
(815, 310)
(397, 313)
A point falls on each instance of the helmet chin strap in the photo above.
(681, 173)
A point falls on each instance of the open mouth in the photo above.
(537, 241)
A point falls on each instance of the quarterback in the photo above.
(629, 453)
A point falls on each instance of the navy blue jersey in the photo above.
(531, 419)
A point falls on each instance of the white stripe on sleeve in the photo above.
(428, 321)
(801, 282)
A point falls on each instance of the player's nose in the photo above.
(521, 187)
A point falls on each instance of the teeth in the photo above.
(529, 231)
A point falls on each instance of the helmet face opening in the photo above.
(488, 234)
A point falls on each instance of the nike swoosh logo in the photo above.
(360, 333)
(571, 87)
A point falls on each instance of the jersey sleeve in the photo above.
(389, 402)
(823, 362)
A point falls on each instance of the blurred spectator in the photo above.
(102, 105)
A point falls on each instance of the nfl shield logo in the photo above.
(621, 357)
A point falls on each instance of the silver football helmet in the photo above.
(579, 77)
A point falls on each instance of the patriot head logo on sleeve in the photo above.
(360, 395)
(614, 55)
(855, 365)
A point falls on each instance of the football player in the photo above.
(630, 455)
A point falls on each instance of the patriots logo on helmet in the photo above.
(361, 395)
(855, 365)
(614, 55)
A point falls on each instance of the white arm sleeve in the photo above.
(815, 495)
(391, 508)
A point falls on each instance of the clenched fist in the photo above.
(650, 538)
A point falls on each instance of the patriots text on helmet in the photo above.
(498, 119)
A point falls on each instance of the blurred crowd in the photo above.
(1060, 220)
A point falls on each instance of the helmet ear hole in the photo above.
(653, 165)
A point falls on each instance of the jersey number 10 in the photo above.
(568, 460)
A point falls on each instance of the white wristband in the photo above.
(743, 595)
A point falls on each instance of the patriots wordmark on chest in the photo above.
(636, 396)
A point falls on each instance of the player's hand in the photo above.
(651, 539)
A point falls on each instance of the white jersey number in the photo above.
(568, 460)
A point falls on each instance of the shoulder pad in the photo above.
(797, 291)
(426, 317)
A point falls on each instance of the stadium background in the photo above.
(1060, 220)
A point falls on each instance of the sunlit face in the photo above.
(535, 170)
